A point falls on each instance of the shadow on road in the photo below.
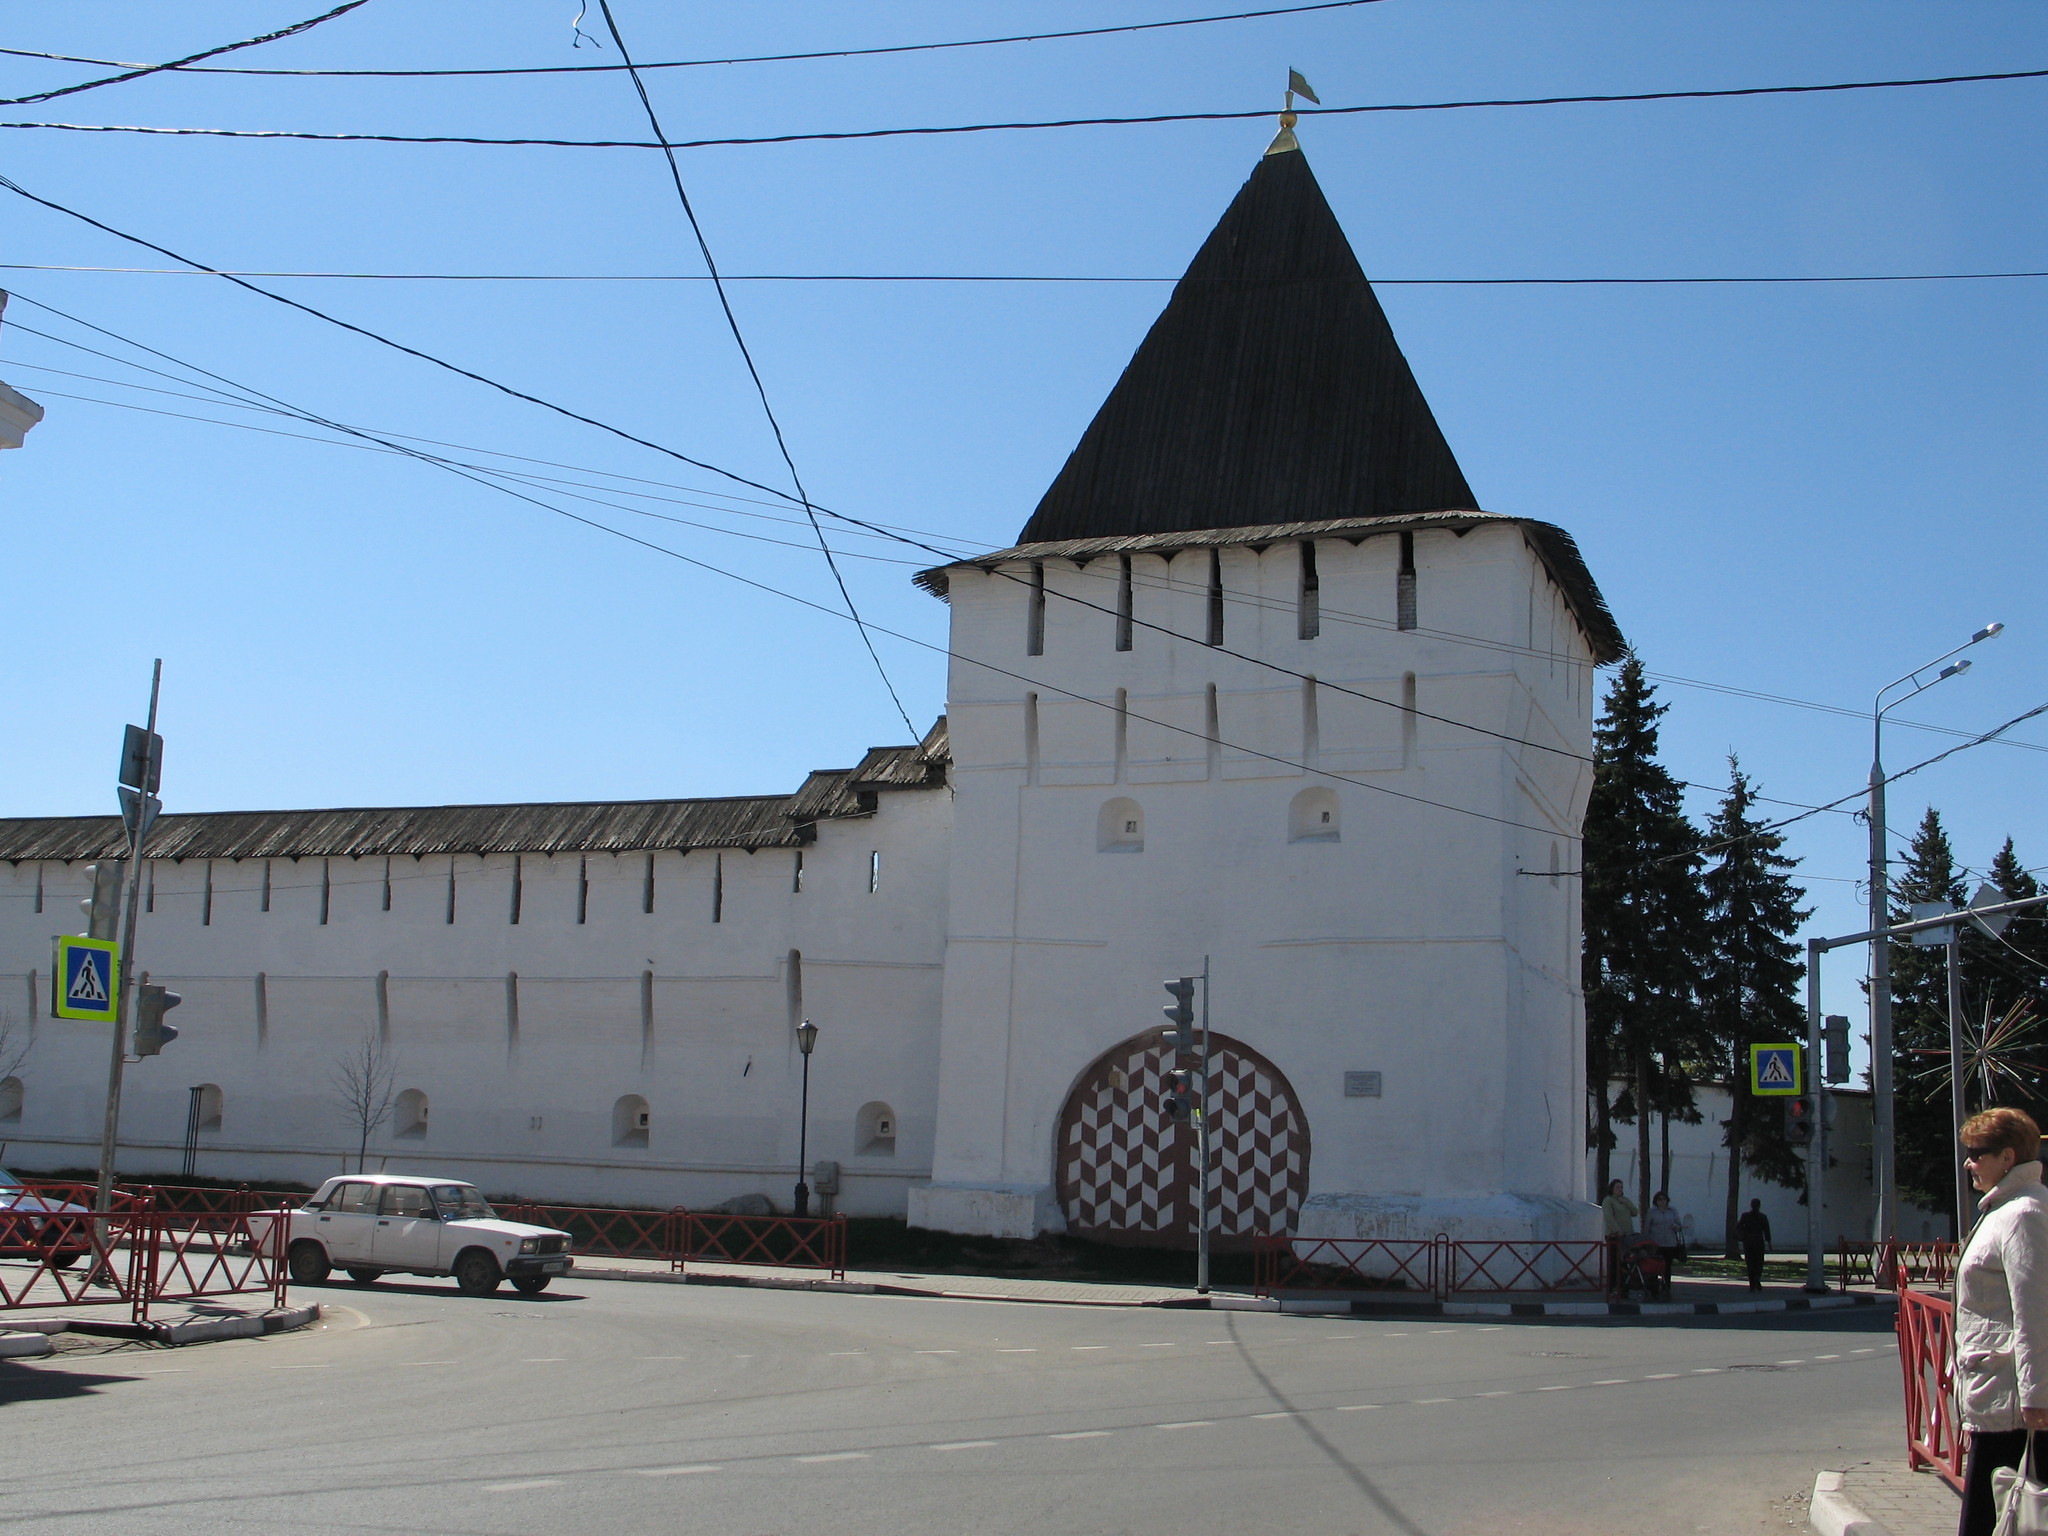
(28, 1384)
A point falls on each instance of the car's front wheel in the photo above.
(477, 1273)
(366, 1276)
(530, 1285)
(307, 1262)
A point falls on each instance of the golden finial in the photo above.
(1284, 140)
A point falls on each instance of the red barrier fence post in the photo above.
(786, 1242)
(1926, 1327)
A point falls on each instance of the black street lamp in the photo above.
(806, 1040)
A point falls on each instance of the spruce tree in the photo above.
(1920, 1104)
(1749, 984)
(1644, 919)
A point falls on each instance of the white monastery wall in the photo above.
(523, 1035)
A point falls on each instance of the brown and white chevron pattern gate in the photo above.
(1127, 1174)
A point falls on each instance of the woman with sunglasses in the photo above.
(2001, 1305)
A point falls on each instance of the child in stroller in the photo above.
(1645, 1272)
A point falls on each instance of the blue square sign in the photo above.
(1774, 1071)
(87, 978)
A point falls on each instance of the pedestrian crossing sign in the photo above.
(1774, 1071)
(86, 979)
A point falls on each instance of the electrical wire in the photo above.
(1009, 127)
(732, 323)
(137, 71)
(994, 277)
(765, 58)
(946, 651)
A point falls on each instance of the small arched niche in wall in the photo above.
(629, 1121)
(874, 1130)
(10, 1100)
(409, 1115)
(1120, 828)
(212, 1105)
(1312, 816)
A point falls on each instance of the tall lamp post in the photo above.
(1881, 1134)
(806, 1041)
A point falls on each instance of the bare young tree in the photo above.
(363, 1082)
(15, 1044)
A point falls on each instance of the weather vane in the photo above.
(1284, 140)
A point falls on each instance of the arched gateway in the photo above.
(1127, 1174)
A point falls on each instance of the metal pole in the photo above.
(1882, 1160)
(1958, 1108)
(1817, 1151)
(803, 1150)
(124, 1006)
(1202, 1151)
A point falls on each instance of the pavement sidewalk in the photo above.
(1882, 1498)
(1690, 1298)
(27, 1338)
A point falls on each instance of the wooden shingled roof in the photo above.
(745, 821)
(1271, 390)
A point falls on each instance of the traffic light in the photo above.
(152, 1002)
(1181, 1014)
(1835, 1039)
(1799, 1121)
(102, 908)
(1178, 1103)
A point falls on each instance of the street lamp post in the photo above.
(1881, 1134)
(806, 1041)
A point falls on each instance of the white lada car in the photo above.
(372, 1224)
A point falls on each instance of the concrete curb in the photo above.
(197, 1331)
(1830, 1511)
(1335, 1306)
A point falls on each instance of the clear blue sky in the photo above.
(1797, 490)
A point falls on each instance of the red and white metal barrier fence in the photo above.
(136, 1255)
(1893, 1264)
(193, 1255)
(787, 1242)
(1934, 1436)
(1441, 1266)
(603, 1231)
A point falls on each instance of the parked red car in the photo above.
(34, 1226)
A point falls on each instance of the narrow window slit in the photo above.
(583, 888)
(206, 898)
(1123, 602)
(1034, 639)
(1215, 636)
(874, 870)
(1311, 592)
(1404, 587)
(387, 884)
(647, 886)
(796, 876)
(718, 888)
(518, 887)
(326, 891)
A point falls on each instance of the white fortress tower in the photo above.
(1262, 684)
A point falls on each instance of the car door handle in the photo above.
(383, 1223)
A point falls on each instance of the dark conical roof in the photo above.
(1271, 390)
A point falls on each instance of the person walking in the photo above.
(1618, 1217)
(2001, 1305)
(1753, 1232)
(1664, 1227)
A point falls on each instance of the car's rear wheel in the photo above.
(477, 1273)
(530, 1285)
(63, 1260)
(307, 1262)
(366, 1276)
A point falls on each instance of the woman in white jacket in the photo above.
(2001, 1305)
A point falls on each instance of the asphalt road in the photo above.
(613, 1407)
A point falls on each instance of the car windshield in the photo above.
(9, 1184)
(461, 1202)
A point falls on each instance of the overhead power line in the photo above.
(993, 277)
(1063, 122)
(761, 58)
(137, 71)
(732, 323)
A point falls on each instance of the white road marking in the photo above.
(1230, 1342)
(671, 1471)
(1553, 1389)
(964, 1445)
(836, 1456)
(1088, 1346)
(531, 1482)
(1421, 1400)
(1791, 1362)
(1443, 1330)
(935, 1351)
(1662, 1376)
(1282, 1415)
(1340, 1336)
(1827, 1357)
(165, 1370)
(1706, 1370)
(1495, 1394)
(1357, 1407)
(543, 1360)
(426, 1362)
(1158, 1346)
(1862, 1351)
(1188, 1424)
(1393, 1335)
(1083, 1434)
(1490, 1328)
(839, 1353)
(1016, 1351)
(1616, 1381)
(323, 1365)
